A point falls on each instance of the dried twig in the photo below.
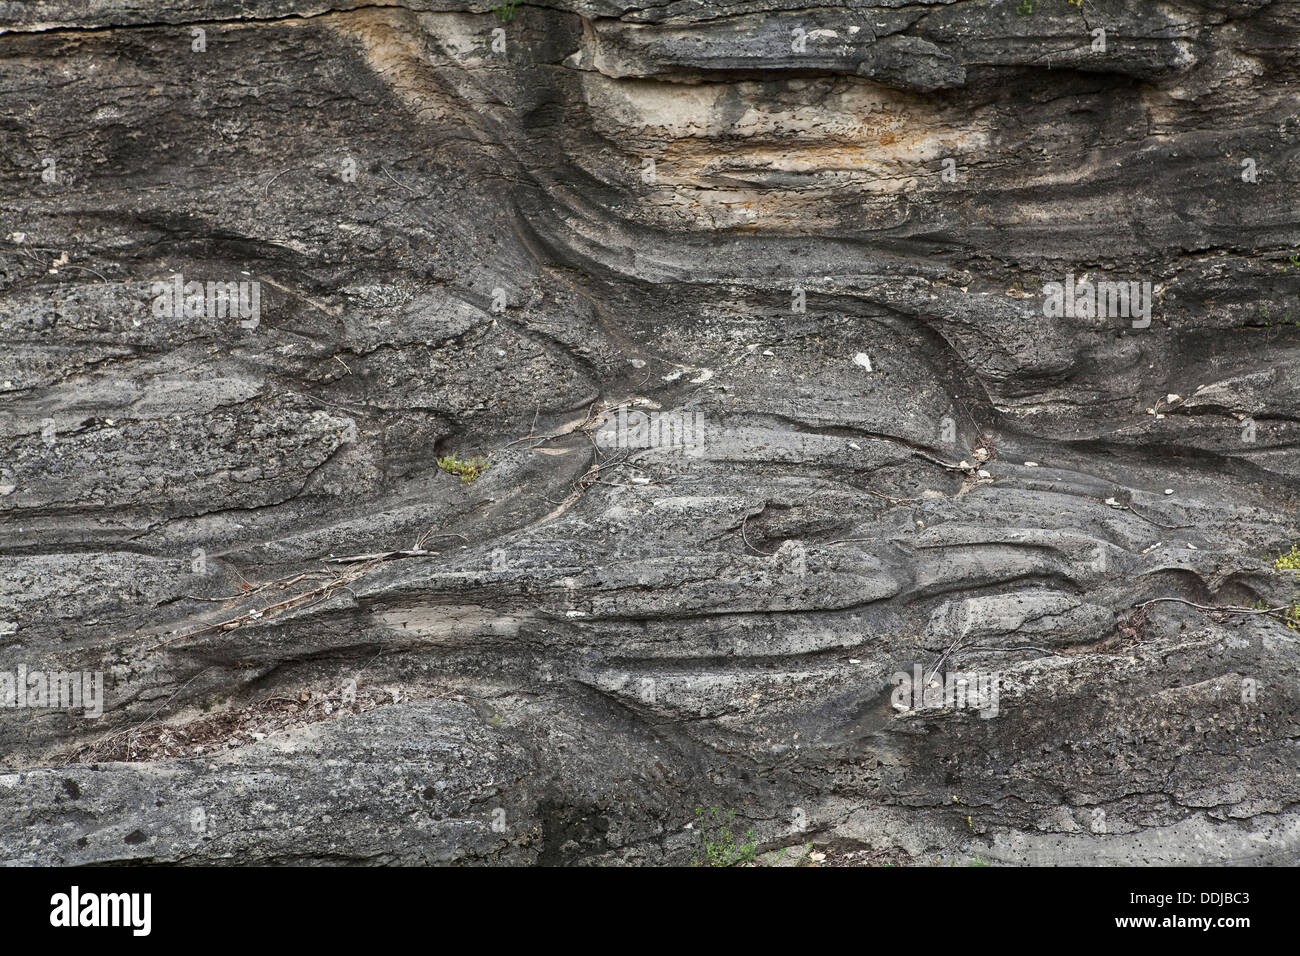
(96, 747)
(233, 623)
(281, 584)
(365, 563)
(84, 269)
(1173, 527)
(543, 438)
(381, 556)
(1225, 608)
(581, 427)
(892, 499)
(1283, 613)
(409, 191)
(1007, 650)
(419, 542)
(943, 658)
(745, 538)
(267, 190)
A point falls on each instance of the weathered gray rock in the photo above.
(811, 248)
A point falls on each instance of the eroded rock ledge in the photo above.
(817, 237)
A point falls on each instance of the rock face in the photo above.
(777, 330)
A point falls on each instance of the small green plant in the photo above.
(506, 11)
(804, 849)
(978, 860)
(465, 469)
(719, 843)
(1026, 8)
(1289, 561)
(1287, 318)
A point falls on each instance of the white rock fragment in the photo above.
(863, 359)
(1031, 464)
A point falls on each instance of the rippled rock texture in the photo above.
(777, 331)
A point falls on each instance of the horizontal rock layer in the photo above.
(751, 311)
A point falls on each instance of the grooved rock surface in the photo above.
(757, 313)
